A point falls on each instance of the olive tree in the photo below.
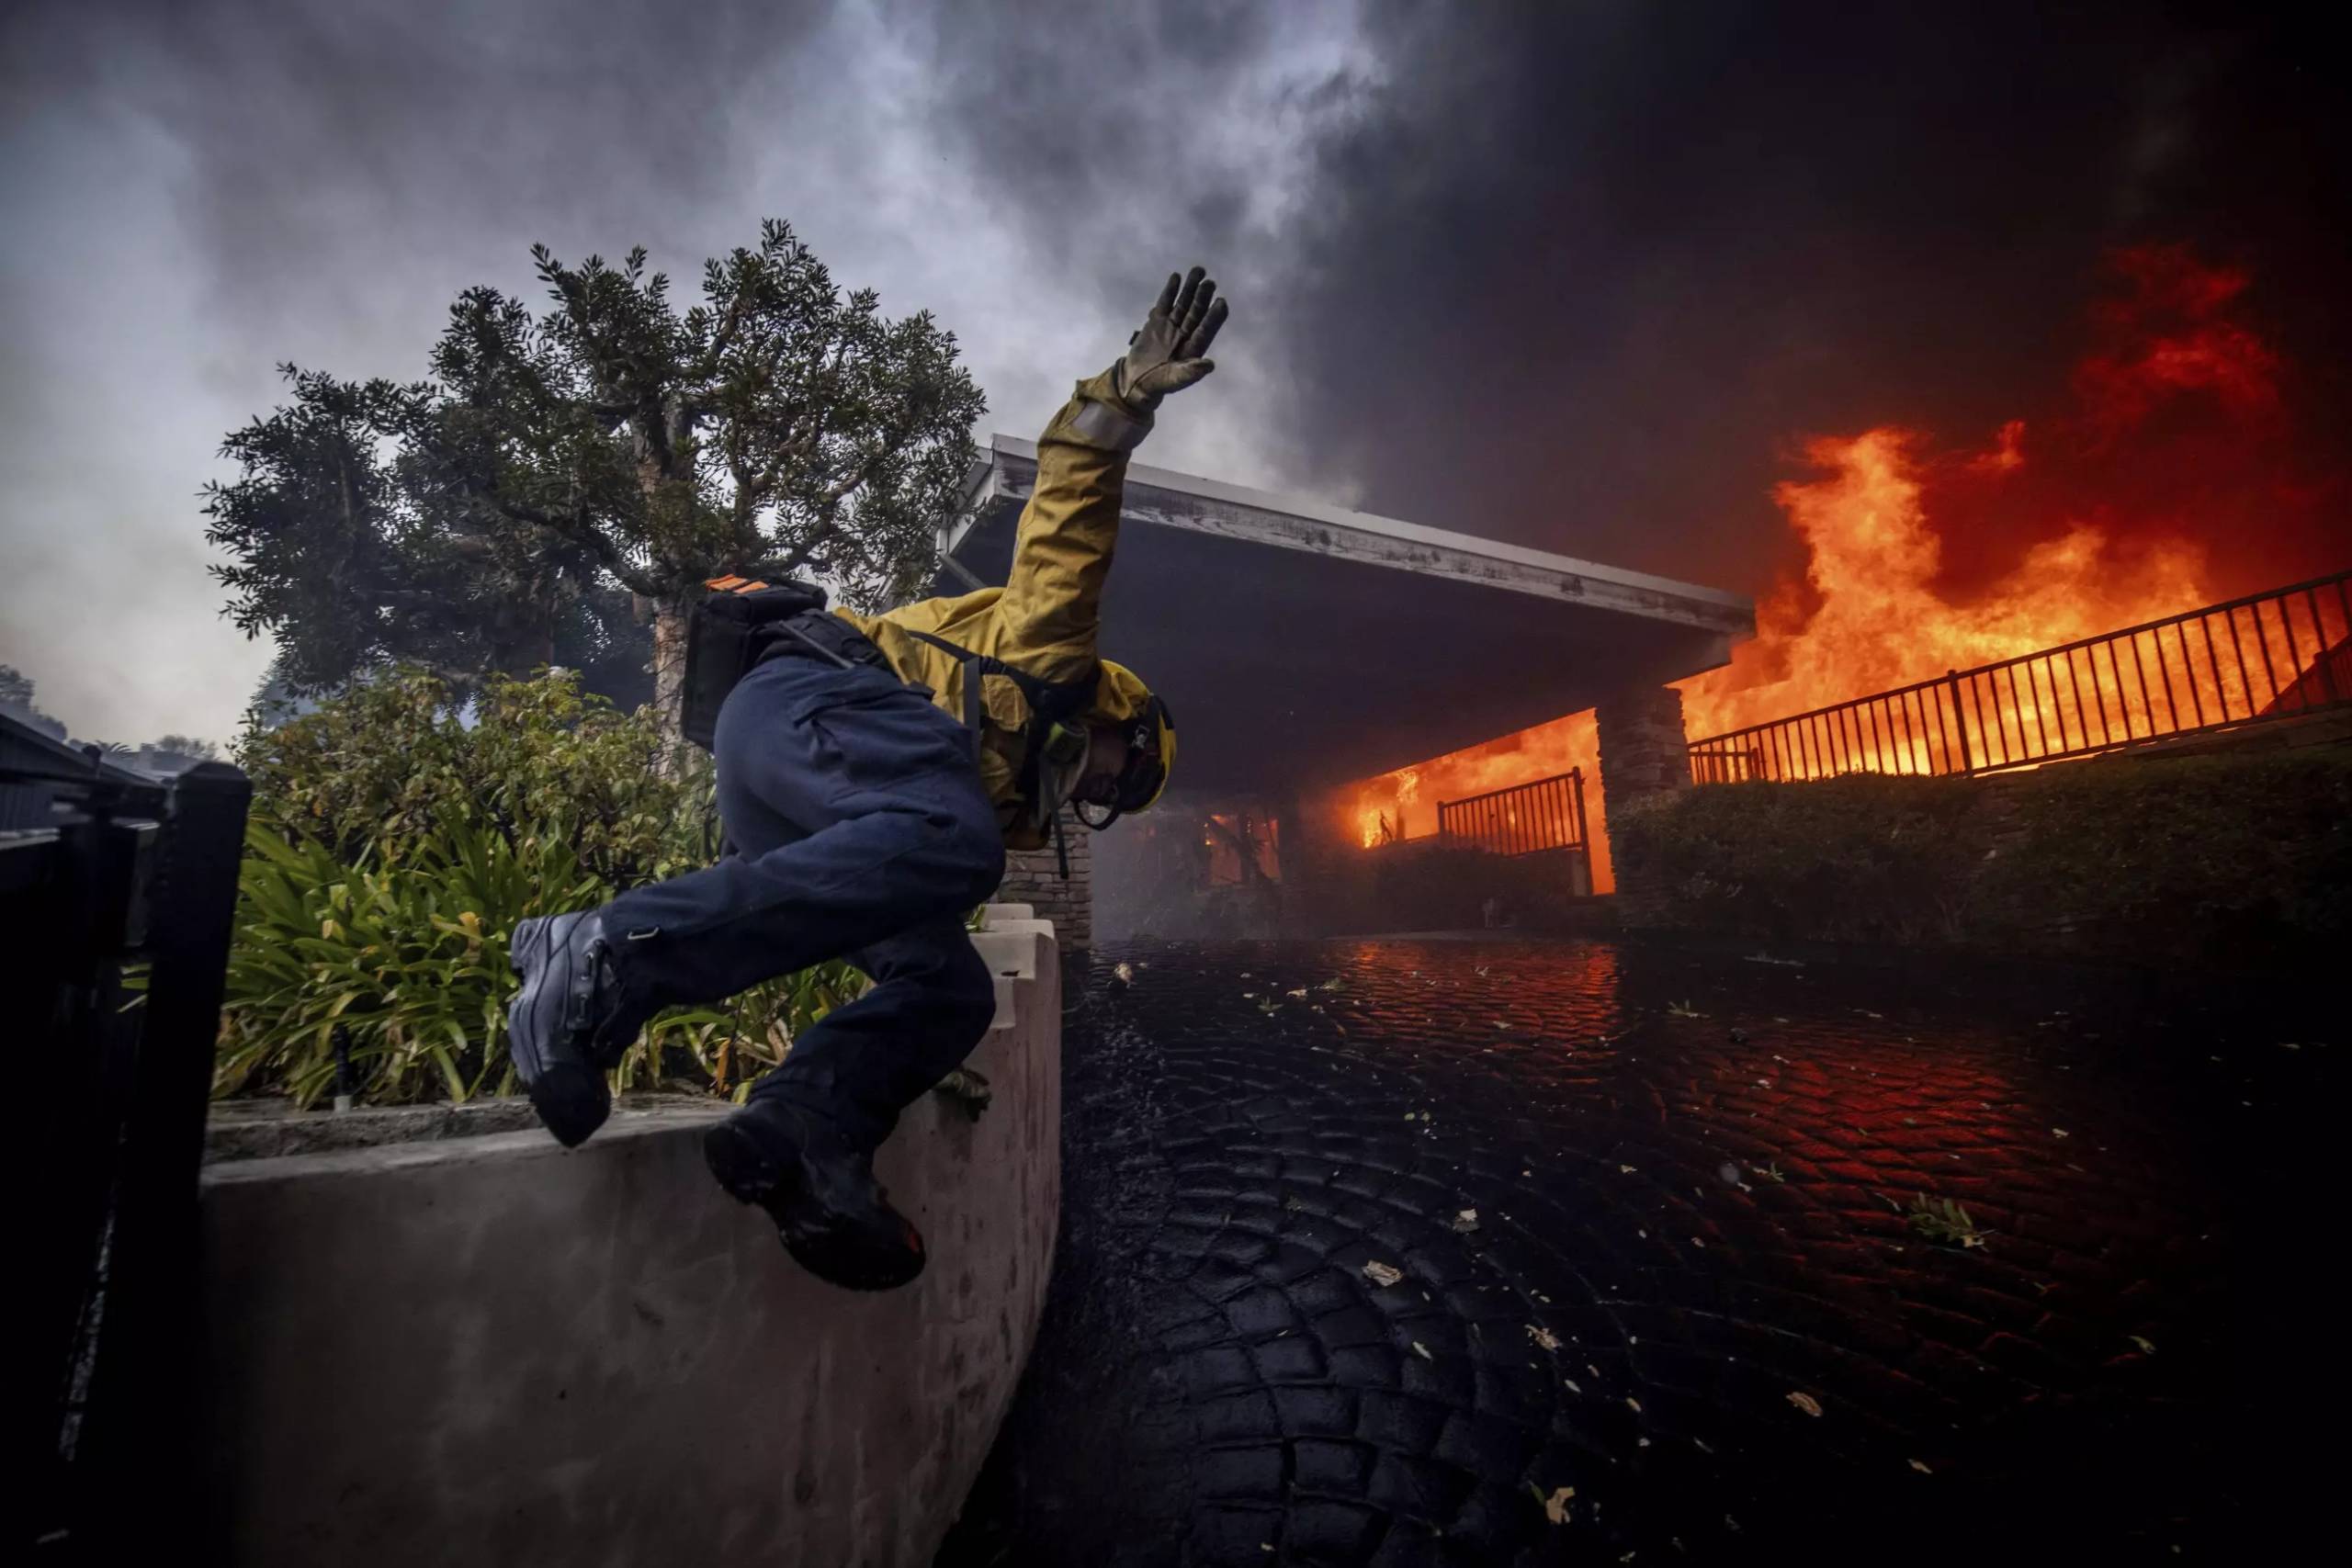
(569, 476)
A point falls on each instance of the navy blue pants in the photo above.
(860, 831)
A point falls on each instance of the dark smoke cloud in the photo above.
(1580, 275)
(1111, 123)
(1688, 240)
(341, 145)
(195, 190)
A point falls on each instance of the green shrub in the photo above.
(392, 850)
(399, 760)
(2239, 856)
(1862, 857)
(2234, 859)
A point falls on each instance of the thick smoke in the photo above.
(1678, 240)
(1584, 275)
(341, 146)
(1578, 275)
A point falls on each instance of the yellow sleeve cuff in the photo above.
(1097, 416)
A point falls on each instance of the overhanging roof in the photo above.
(1301, 645)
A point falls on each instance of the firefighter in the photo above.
(872, 772)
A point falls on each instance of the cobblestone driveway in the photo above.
(1659, 1294)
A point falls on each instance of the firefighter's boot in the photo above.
(570, 1021)
(835, 1219)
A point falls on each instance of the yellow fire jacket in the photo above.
(1044, 620)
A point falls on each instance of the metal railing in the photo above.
(2268, 655)
(1524, 820)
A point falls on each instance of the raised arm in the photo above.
(1061, 556)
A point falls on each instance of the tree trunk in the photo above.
(669, 670)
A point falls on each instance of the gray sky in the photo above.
(196, 192)
(1576, 274)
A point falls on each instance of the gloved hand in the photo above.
(1165, 355)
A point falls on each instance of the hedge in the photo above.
(2234, 860)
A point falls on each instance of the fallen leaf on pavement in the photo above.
(1543, 1336)
(1921, 1467)
(1805, 1403)
(2145, 1347)
(1555, 1506)
(1381, 1274)
(1422, 1351)
(1466, 1221)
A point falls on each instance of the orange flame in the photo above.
(1869, 614)
(2171, 440)
(1403, 803)
(2084, 523)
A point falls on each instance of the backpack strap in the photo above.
(1049, 700)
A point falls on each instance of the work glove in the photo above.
(1166, 355)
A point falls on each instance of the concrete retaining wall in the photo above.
(489, 1351)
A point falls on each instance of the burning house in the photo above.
(1308, 647)
(2099, 574)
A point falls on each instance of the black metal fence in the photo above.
(117, 893)
(2268, 655)
(1524, 820)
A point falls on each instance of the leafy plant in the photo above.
(1943, 1221)
(1860, 857)
(396, 761)
(2235, 859)
(721, 1050)
(396, 840)
(2246, 858)
(409, 957)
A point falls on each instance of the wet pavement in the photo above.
(1662, 1288)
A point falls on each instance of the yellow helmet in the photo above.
(1121, 698)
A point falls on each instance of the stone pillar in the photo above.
(1642, 752)
(1033, 877)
